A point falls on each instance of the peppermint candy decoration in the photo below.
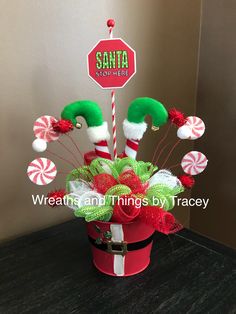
(43, 129)
(193, 128)
(197, 127)
(194, 163)
(41, 171)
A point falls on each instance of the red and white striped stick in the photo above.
(111, 24)
(113, 106)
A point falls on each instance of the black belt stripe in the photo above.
(130, 246)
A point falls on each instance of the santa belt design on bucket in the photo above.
(121, 248)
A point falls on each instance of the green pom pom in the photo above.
(141, 107)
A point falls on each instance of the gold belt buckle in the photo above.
(118, 248)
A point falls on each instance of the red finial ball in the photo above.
(110, 23)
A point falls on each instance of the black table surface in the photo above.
(51, 271)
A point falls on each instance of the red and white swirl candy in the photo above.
(193, 129)
(43, 129)
(194, 163)
(41, 171)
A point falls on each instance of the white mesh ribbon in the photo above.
(72, 201)
(79, 187)
(77, 190)
(91, 198)
(165, 177)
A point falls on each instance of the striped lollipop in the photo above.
(193, 128)
(43, 129)
(194, 163)
(41, 171)
(197, 127)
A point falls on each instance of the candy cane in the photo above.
(97, 128)
(134, 126)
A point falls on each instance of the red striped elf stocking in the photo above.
(134, 126)
(133, 133)
(99, 135)
(97, 128)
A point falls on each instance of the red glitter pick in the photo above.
(187, 181)
(159, 219)
(62, 126)
(55, 196)
(176, 117)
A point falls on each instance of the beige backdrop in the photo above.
(216, 104)
(43, 67)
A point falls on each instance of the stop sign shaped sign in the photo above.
(111, 63)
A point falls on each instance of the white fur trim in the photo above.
(133, 130)
(99, 133)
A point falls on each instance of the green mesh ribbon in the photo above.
(91, 213)
(78, 174)
(144, 170)
(163, 194)
(99, 165)
(115, 192)
(126, 163)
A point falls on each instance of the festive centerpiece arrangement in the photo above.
(123, 200)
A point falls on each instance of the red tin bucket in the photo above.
(126, 253)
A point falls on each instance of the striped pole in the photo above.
(113, 105)
(111, 24)
(110, 30)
